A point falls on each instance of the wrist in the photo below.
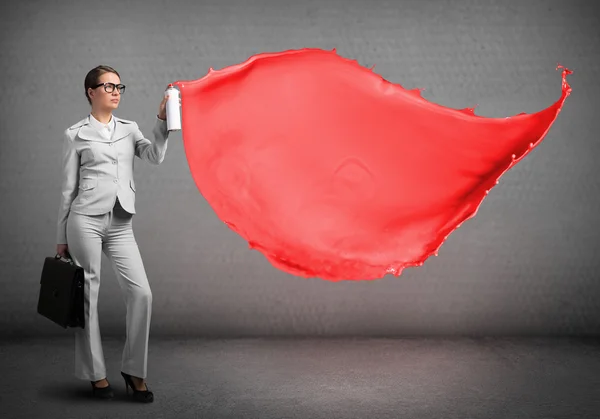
(162, 119)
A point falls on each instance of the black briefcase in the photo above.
(61, 292)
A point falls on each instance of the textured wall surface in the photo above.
(526, 264)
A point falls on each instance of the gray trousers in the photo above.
(88, 236)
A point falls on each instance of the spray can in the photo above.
(173, 111)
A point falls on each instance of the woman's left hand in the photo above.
(162, 109)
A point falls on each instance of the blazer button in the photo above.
(115, 180)
(114, 162)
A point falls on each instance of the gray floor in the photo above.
(311, 378)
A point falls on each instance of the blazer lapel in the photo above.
(89, 133)
(122, 128)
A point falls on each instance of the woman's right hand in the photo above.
(63, 250)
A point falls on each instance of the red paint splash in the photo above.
(331, 171)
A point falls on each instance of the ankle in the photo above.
(101, 383)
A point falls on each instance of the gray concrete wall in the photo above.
(526, 264)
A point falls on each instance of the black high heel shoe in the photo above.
(102, 392)
(144, 396)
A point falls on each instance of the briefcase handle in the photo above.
(67, 260)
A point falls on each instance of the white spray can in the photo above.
(173, 111)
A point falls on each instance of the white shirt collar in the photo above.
(103, 128)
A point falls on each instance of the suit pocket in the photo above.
(87, 183)
(132, 185)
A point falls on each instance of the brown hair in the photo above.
(93, 75)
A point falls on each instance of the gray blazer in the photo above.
(96, 171)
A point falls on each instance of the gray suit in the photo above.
(97, 171)
(95, 217)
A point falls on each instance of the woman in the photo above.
(95, 217)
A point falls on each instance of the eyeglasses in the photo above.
(110, 87)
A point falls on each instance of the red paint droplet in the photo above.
(415, 92)
(331, 171)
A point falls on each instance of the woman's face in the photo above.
(100, 98)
